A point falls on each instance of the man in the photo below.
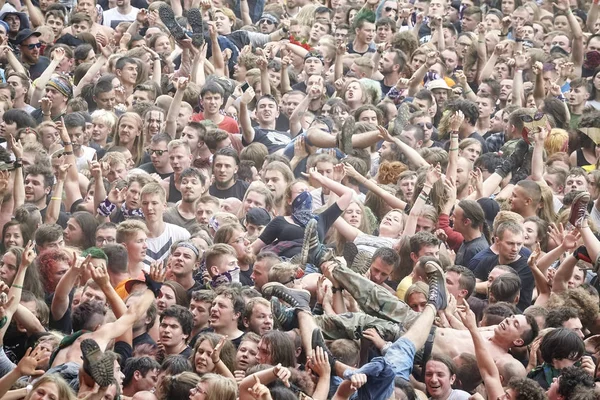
(385, 28)
(75, 125)
(526, 198)
(29, 47)
(122, 12)
(225, 313)
(421, 244)
(106, 234)
(383, 264)
(127, 71)
(576, 181)
(234, 236)
(471, 18)
(193, 134)
(174, 330)
(577, 96)
(159, 156)
(460, 282)
(54, 105)
(467, 128)
(154, 120)
(565, 317)
(200, 305)
(469, 220)
(262, 266)
(486, 106)
(117, 267)
(49, 236)
(267, 112)
(184, 261)
(277, 176)
(55, 19)
(413, 136)
(363, 41)
(256, 220)
(192, 188)
(141, 373)
(206, 207)
(391, 65)
(212, 95)
(104, 96)
(556, 179)
(221, 264)
(38, 184)
(180, 158)
(258, 317)
(509, 242)
(160, 234)
(225, 166)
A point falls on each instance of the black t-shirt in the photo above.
(274, 140)
(37, 69)
(62, 220)
(64, 324)
(301, 86)
(149, 168)
(144, 338)
(468, 250)
(484, 267)
(245, 278)
(237, 190)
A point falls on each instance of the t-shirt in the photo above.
(468, 250)
(458, 395)
(237, 190)
(484, 267)
(113, 17)
(350, 49)
(172, 216)
(149, 168)
(370, 243)
(36, 70)
(228, 124)
(159, 247)
(274, 140)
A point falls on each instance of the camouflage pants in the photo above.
(374, 299)
(352, 325)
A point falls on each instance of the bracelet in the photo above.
(67, 144)
(18, 160)
(424, 198)
(17, 165)
(67, 153)
(3, 321)
(336, 289)
(56, 198)
(17, 286)
(453, 149)
(468, 91)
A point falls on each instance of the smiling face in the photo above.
(391, 225)
(13, 237)
(261, 320)
(438, 379)
(512, 328)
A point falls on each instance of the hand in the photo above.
(535, 254)
(46, 105)
(562, 5)
(402, 83)
(533, 351)
(282, 374)
(28, 255)
(62, 130)
(555, 90)
(98, 274)
(462, 78)
(339, 84)
(320, 363)
(432, 58)
(286, 62)
(327, 270)
(248, 95)
(322, 285)
(537, 68)
(4, 180)
(153, 18)
(456, 120)
(5, 302)
(372, 335)
(570, 240)
(556, 232)
(205, 5)
(17, 147)
(95, 169)
(435, 22)
(216, 353)
(467, 316)
(481, 29)
(433, 174)
(32, 360)
(239, 376)
(227, 53)
(350, 171)
(506, 23)
(117, 196)
(420, 18)
(316, 92)
(314, 174)
(522, 61)
(58, 54)
(358, 380)
(124, 40)
(587, 364)
(157, 271)
(385, 135)
(477, 180)
(592, 345)
(450, 187)
(212, 29)
(142, 16)
(62, 172)
(441, 235)
(259, 391)
(181, 83)
(300, 148)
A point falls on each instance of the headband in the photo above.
(60, 84)
(189, 245)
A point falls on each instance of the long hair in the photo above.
(9, 224)
(64, 390)
(546, 211)
(219, 387)
(227, 351)
(88, 225)
(176, 386)
(281, 347)
(32, 281)
(138, 143)
(339, 240)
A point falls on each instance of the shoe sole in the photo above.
(441, 283)
(350, 253)
(581, 197)
(168, 18)
(362, 263)
(309, 230)
(98, 365)
(267, 286)
(195, 19)
(345, 144)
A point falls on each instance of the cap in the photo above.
(438, 84)
(491, 208)
(26, 34)
(258, 216)
(314, 54)
(134, 281)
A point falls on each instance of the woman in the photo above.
(247, 353)
(357, 216)
(50, 386)
(9, 265)
(536, 230)
(12, 235)
(206, 358)
(586, 156)
(594, 99)
(470, 149)
(285, 234)
(172, 293)
(276, 347)
(177, 386)
(416, 296)
(214, 387)
(81, 230)
(48, 134)
(335, 107)
(129, 135)
(53, 264)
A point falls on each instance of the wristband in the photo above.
(18, 160)
(16, 286)
(17, 165)
(67, 153)
(67, 144)
(152, 285)
(336, 289)
(453, 149)
(3, 321)
(422, 197)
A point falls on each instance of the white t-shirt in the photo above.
(159, 247)
(113, 15)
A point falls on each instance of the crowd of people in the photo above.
(265, 200)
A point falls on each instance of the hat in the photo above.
(61, 84)
(491, 208)
(258, 216)
(581, 14)
(22, 17)
(438, 84)
(592, 133)
(314, 54)
(270, 17)
(25, 34)
(5, 25)
(69, 40)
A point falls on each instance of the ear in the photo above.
(246, 322)
(516, 300)
(137, 375)
(518, 343)
(420, 144)
(452, 379)
(214, 271)
(235, 170)
(414, 257)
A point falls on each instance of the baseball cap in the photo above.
(258, 216)
(26, 34)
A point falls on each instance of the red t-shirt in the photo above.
(228, 124)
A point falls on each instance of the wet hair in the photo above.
(281, 348)
(88, 315)
(141, 364)
(182, 315)
(527, 389)
(558, 316)
(561, 344)
(573, 378)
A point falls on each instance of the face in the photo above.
(276, 183)
(391, 225)
(8, 268)
(153, 207)
(202, 360)
(79, 27)
(34, 188)
(512, 328)
(266, 25)
(128, 130)
(106, 236)
(366, 33)
(505, 89)
(201, 312)
(576, 182)
(425, 225)
(191, 189)
(417, 301)
(353, 215)
(170, 332)
(267, 111)
(128, 74)
(577, 96)
(577, 279)
(298, 188)
(471, 152)
(318, 30)
(204, 211)
(73, 234)
(407, 187)
(341, 36)
(180, 159)
(246, 355)
(384, 33)
(91, 294)
(224, 169)
(438, 379)
(13, 237)
(408, 137)
(260, 273)
(222, 313)
(380, 271)
(261, 320)
(183, 262)
(223, 23)
(212, 103)
(530, 237)
(136, 247)
(510, 245)
(45, 391)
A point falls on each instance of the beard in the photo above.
(247, 259)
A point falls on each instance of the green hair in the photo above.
(95, 252)
(364, 14)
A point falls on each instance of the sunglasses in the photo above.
(388, 9)
(34, 46)
(265, 21)
(528, 118)
(157, 152)
(427, 125)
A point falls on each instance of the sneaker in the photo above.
(100, 366)
(362, 262)
(437, 285)
(350, 253)
(313, 251)
(168, 18)
(296, 298)
(285, 317)
(344, 139)
(579, 209)
(195, 20)
(318, 340)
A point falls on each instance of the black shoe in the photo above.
(167, 17)
(100, 366)
(296, 298)
(344, 139)
(194, 18)
(579, 209)
(513, 161)
(285, 317)
(319, 341)
(437, 285)
(350, 253)
(310, 243)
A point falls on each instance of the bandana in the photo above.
(592, 60)
(313, 54)
(302, 209)
(231, 276)
(189, 245)
(136, 212)
(62, 85)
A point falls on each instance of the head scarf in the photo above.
(62, 85)
(302, 209)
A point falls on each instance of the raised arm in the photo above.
(577, 35)
(455, 123)
(57, 55)
(297, 114)
(415, 81)
(373, 187)
(433, 175)
(18, 183)
(173, 113)
(345, 193)
(248, 132)
(60, 301)
(217, 55)
(541, 283)
(411, 154)
(35, 14)
(53, 210)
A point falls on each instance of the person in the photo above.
(225, 167)
(174, 330)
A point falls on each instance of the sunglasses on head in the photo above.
(34, 46)
(528, 118)
(388, 9)
(157, 152)
(265, 21)
(427, 125)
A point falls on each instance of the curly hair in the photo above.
(48, 263)
(389, 172)
(527, 389)
(572, 378)
(585, 304)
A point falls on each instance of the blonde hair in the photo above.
(106, 117)
(114, 158)
(506, 216)
(219, 387)
(138, 142)
(417, 287)
(283, 272)
(64, 390)
(557, 141)
(154, 188)
(129, 227)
